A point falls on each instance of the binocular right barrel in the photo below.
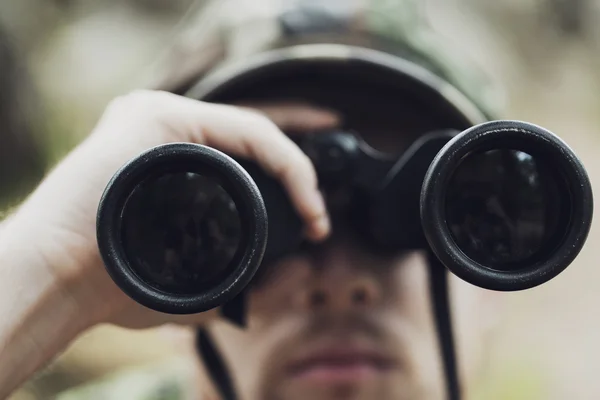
(183, 228)
(506, 205)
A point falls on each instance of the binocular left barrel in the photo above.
(183, 228)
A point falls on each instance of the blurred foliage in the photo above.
(520, 380)
(22, 159)
(59, 67)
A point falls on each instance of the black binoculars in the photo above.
(504, 205)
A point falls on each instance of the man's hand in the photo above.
(49, 245)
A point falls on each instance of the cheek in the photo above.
(239, 352)
(278, 294)
(271, 320)
(412, 299)
(476, 314)
(409, 288)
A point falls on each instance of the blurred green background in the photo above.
(82, 53)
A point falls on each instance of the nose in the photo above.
(339, 283)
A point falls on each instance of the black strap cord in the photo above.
(214, 364)
(438, 286)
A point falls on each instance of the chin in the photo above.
(364, 386)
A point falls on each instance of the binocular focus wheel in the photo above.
(195, 285)
(565, 221)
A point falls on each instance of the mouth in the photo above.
(339, 365)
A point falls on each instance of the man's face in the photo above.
(339, 321)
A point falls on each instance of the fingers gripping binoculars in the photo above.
(504, 205)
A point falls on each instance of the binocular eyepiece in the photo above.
(504, 205)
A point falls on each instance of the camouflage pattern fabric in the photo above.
(214, 35)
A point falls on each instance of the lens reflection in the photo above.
(506, 209)
(181, 231)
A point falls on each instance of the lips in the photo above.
(341, 364)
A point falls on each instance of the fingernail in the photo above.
(320, 228)
(323, 225)
(330, 118)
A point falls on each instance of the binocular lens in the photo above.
(506, 205)
(182, 228)
(181, 231)
(505, 208)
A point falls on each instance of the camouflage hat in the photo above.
(224, 40)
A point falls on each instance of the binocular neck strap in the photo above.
(438, 286)
(214, 364)
(440, 301)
